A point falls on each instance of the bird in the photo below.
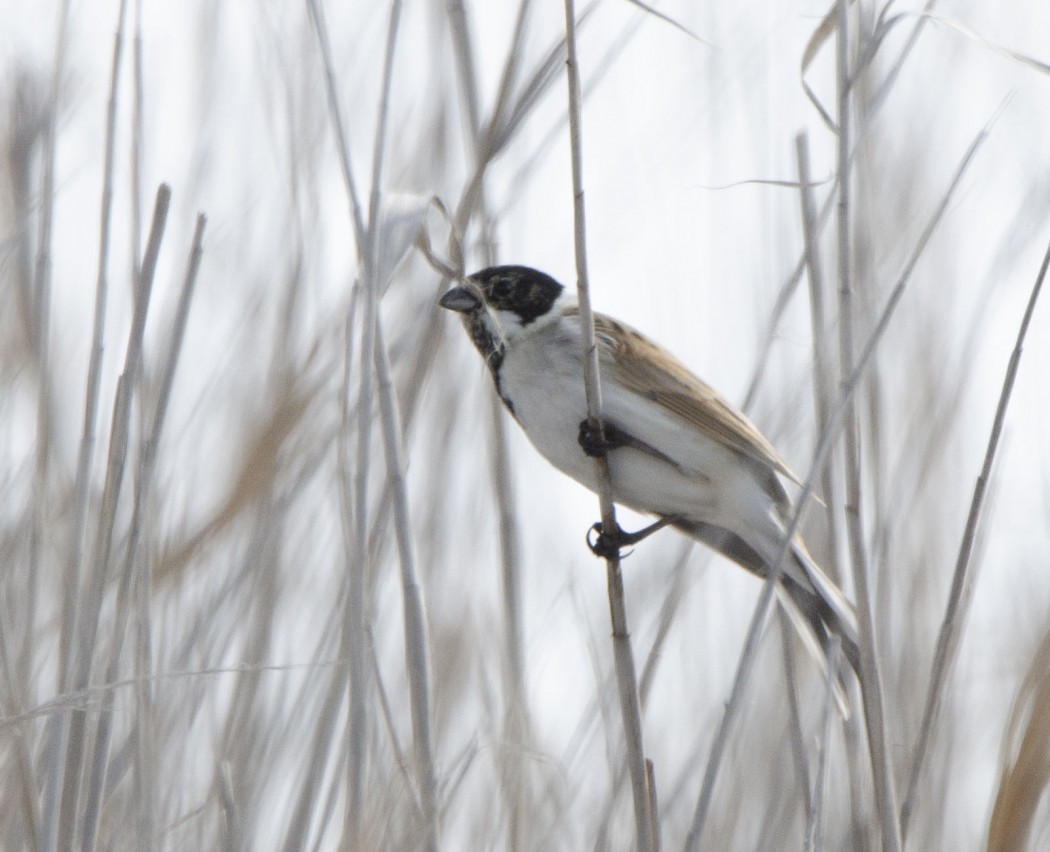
(676, 449)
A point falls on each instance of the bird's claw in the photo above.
(607, 545)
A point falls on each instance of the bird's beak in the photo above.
(461, 300)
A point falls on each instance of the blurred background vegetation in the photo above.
(262, 592)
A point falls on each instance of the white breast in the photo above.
(542, 374)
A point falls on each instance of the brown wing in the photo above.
(654, 373)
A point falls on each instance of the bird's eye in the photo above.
(501, 288)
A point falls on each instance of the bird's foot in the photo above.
(598, 443)
(607, 545)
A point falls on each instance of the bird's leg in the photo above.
(606, 545)
(598, 445)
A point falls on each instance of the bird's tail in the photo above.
(815, 605)
(819, 613)
(824, 606)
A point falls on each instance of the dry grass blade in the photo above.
(354, 642)
(784, 297)
(137, 135)
(895, 70)
(508, 115)
(461, 43)
(356, 637)
(870, 669)
(417, 658)
(743, 672)
(823, 383)
(259, 467)
(536, 86)
(41, 315)
(516, 717)
(824, 370)
(342, 140)
(814, 838)
(817, 40)
(999, 49)
(323, 750)
(667, 19)
(74, 656)
(948, 636)
(129, 378)
(1026, 775)
(28, 131)
(822, 34)
(828, 435)
(145, 758)
(610, 57)
(672, 603)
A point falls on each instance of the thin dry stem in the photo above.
(42, 287)
(144, 721)
(75, 659)
(335, 114)
(870, 673)
(516, 717)
(736, 695)
(143, 758)
(417, 658)
(355, 633)
(122, 614)
(358, 722)
(645, 819)
(823, 369)
(947, 639)
(829, 433)
(823, 378)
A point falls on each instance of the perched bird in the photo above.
(675, 448)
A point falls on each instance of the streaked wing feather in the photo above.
(652, 372)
